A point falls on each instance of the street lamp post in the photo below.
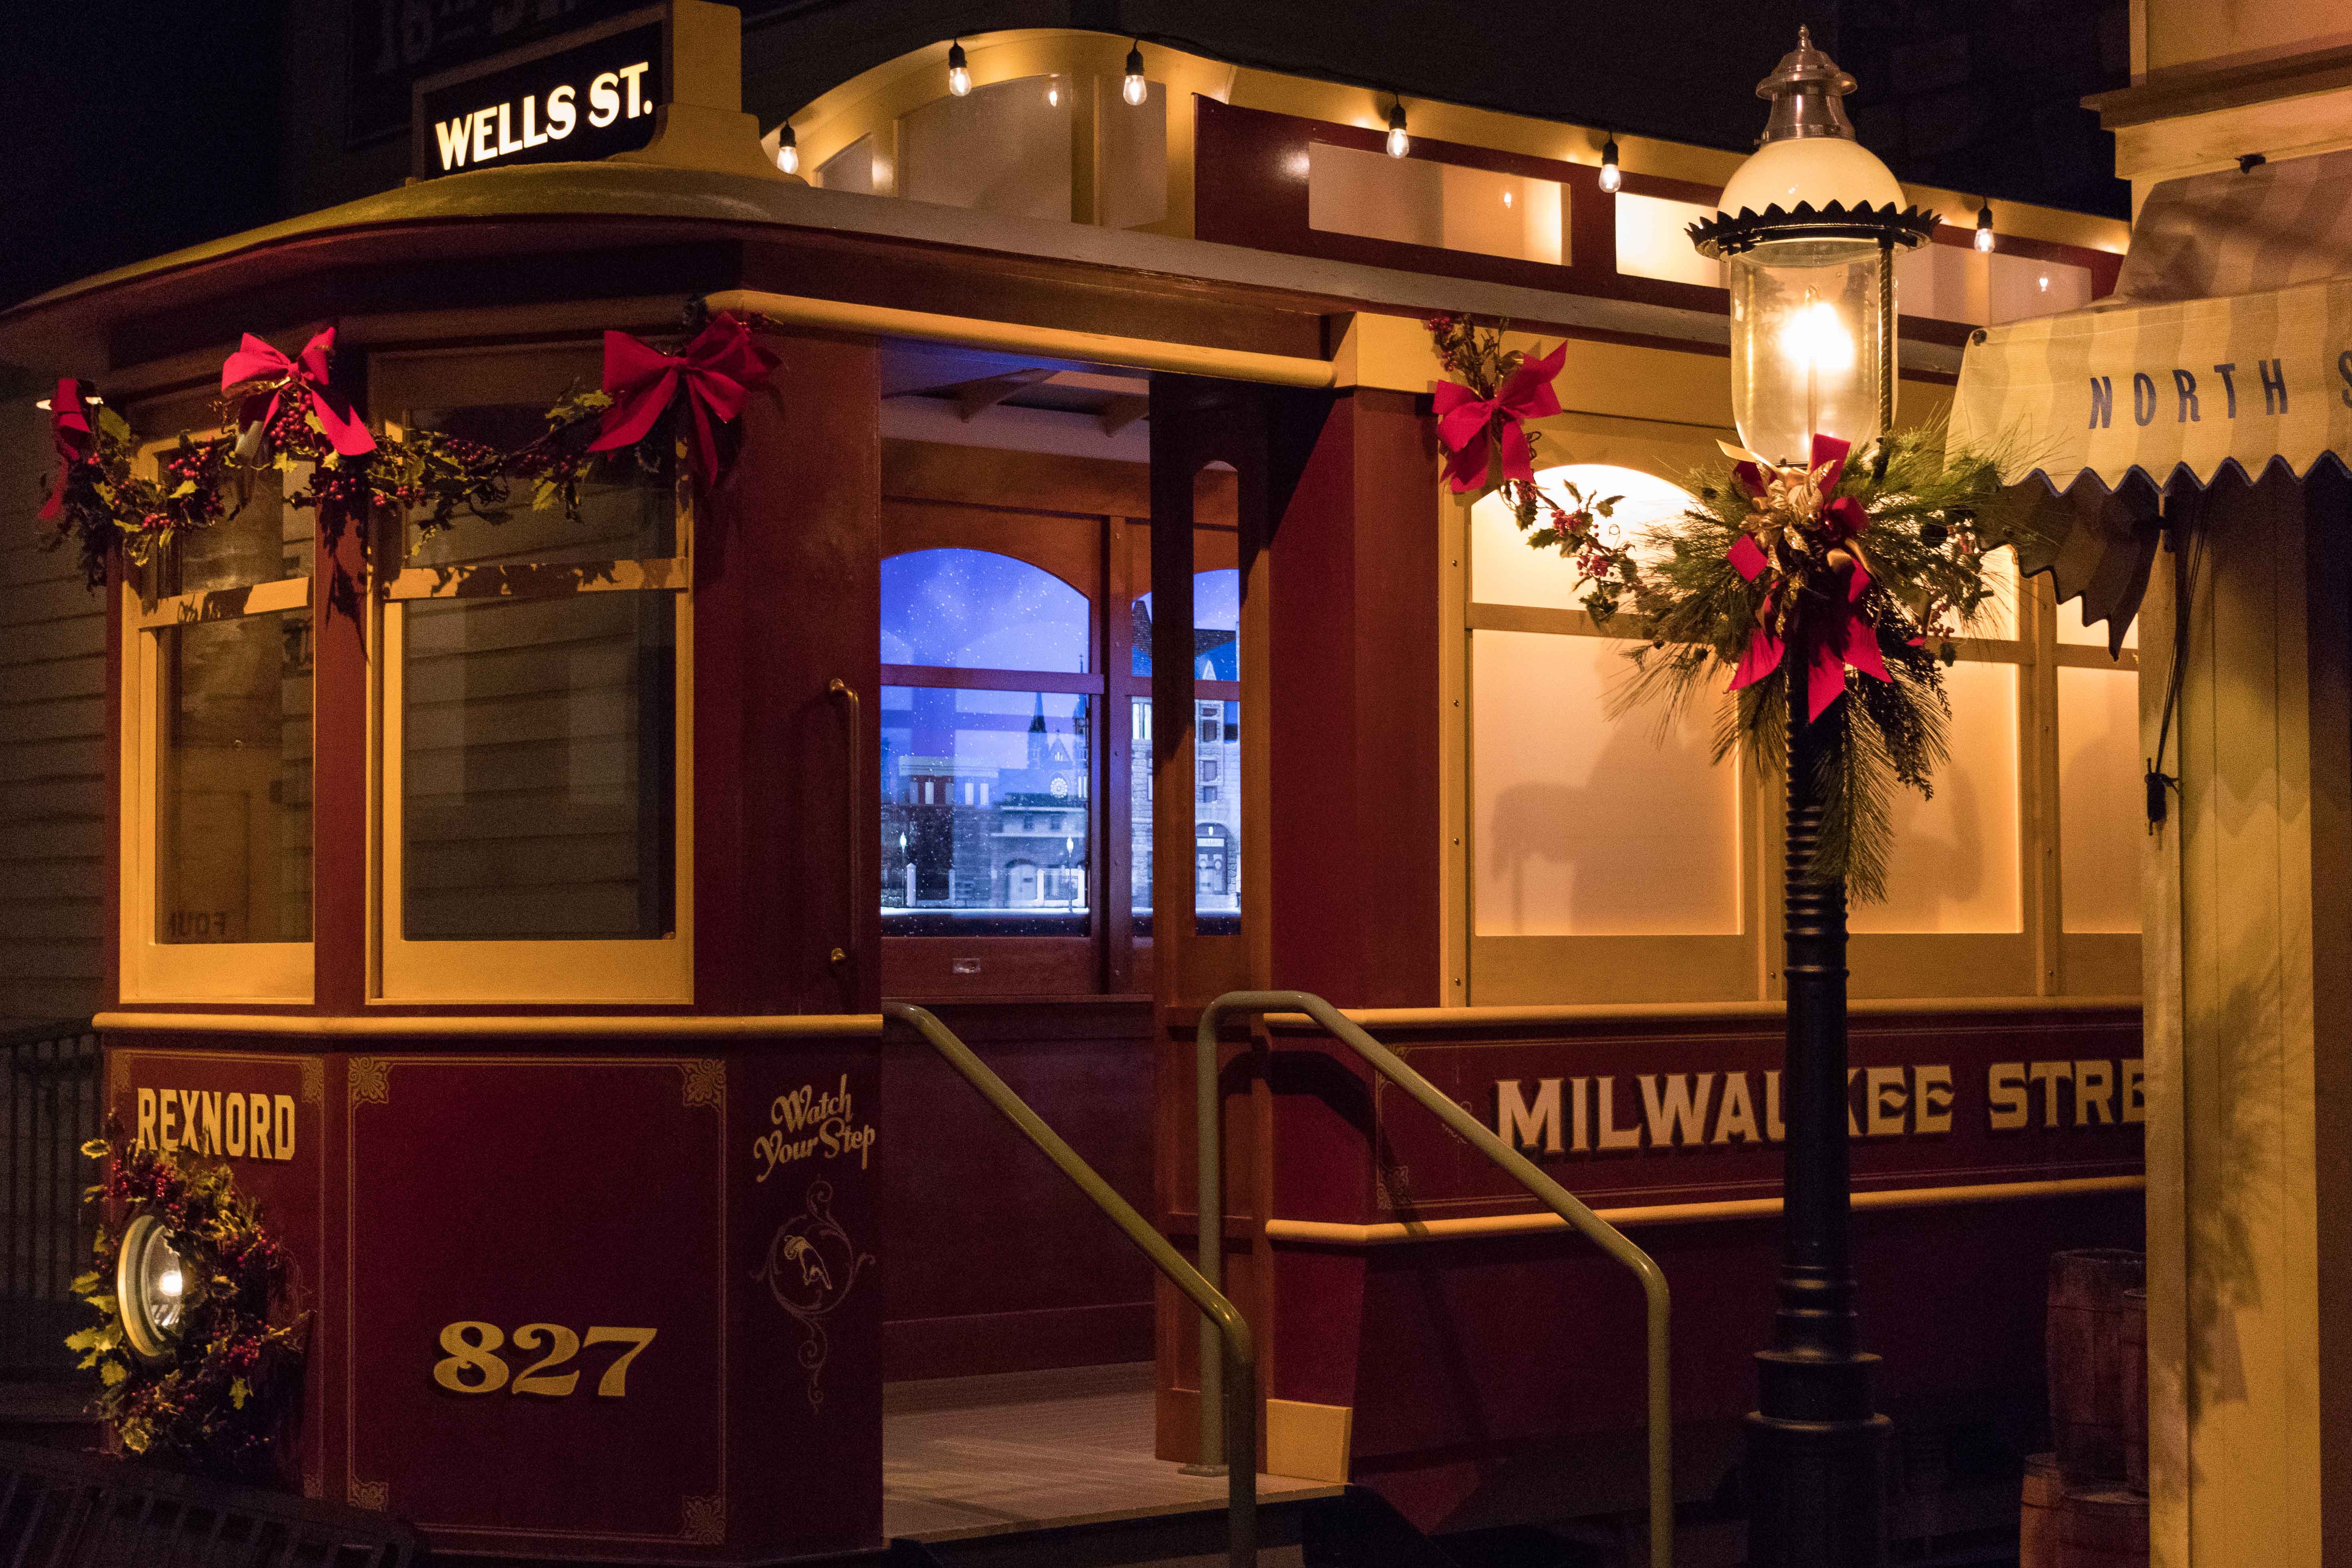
(1808, 234)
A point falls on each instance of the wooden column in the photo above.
(787, 586)
(1357, 832)
(2250, 1040)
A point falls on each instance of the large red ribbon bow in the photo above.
(1464, 416)
(718, 370)
(1837, 635)
(305, 376)
(70, 437)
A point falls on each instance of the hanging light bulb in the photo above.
(1399, 143)
(1133, 88)
(958, 72)
(788, 149)
(1611, 177)
(1984, 229)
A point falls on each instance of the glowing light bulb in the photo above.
(1813, 337)
(1399, 145)
(958, 71)
(788, 150)
(2045, 284)
(1984, 229)
(1053, 92)
(1132, 87)
(1613, 179)
(1507, 198)
(168, 1282)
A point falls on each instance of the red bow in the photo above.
(69, 437)
(306, 376)
(718, 370)
(1464, 416)
(1837, 635)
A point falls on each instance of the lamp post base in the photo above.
(1817, 1488)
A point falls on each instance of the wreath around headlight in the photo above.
(198, 1350)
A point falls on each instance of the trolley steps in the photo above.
(1346, 1528)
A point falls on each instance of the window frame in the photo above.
(544, 971)
(149, 970)
(2039, 958)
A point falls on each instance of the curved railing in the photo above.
(1226, 1343)
(1209, 1118)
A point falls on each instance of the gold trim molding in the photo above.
(1479, 1227)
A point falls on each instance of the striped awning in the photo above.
(2228, 341)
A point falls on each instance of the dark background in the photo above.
(137, 128)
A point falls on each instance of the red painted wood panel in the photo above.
(1357, 897)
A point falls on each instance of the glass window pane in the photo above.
(264, 542)
(984, 812)
(538, 768)
(1586, 826)
(1138, 813)
(1955, 862)
(1217, 818)
(1004, 147)
(2102, 800)
(2072, 628)
(1504, 570)
(1216, 628)
(233, 780)
(626, 513)
(975, 609)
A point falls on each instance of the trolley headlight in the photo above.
(150, 1288)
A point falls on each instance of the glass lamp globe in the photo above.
(150, 1288)
(1808, 231)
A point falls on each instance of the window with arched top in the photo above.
(987, 777)
(1016, 775)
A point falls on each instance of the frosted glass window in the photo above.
(1943, 281)
(1418, 201)
(1131, 155)
(1505, 570)
(2022, 287)
(1955, 861)
(975, 609)
(1003, 148)
(2072, 627)
(2102, 801)
(852, 169)
(1585, 825)
(1651, 241)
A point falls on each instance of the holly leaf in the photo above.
(111, 1373)
(239, 1392)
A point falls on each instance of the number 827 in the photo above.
(474, 1366)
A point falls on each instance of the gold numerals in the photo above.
(474, 1366)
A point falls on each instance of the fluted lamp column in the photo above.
(1807, 234)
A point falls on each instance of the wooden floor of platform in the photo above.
(981, 1456)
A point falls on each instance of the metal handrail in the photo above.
(1208, 1113)
(1224, 1334)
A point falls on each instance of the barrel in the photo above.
(2084, 1353)
(2105, 1529)
(2134, 1377)
(2037, 1518)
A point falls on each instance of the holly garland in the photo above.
(1481, 423)
(1853, 576)
(286, 417)
(100, 501)
(217, 1399)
